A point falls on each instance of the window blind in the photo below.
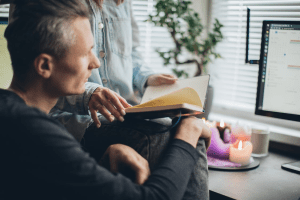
(234, 81)
(151, 37)
(4, 9)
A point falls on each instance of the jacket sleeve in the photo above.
(141, 71)
(77, 104)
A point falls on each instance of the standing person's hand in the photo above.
(124, 159)
(160, 79)
(191, 129)
(109, 103)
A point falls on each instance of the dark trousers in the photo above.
(150, 138)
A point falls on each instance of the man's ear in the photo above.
(43, 65)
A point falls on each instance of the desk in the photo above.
(268, 181)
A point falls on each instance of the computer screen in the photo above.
(5, 62)
(278, 90)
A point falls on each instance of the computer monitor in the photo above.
(5, 62)
(278, 90)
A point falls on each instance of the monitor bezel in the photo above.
(258, 111)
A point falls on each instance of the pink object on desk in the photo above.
(218, 149)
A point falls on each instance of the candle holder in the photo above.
(232, 153)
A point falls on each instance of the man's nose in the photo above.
(95, 61)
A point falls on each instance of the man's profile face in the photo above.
(72, 72)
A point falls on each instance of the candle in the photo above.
(221, 126)
(208, 123)
(240, 152)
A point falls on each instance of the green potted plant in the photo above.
(186, 28)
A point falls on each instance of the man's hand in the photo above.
(191, 129)
(110, 104)
(160, 79)
(124, 159)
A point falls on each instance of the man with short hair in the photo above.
(150, 138)
(50, 44)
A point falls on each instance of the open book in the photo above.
(185, 97)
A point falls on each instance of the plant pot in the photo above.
(208, 102)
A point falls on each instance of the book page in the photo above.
(199, 84)
(186, 95)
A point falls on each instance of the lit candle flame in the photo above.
(203, 119)
(222, 124)
(240, 145)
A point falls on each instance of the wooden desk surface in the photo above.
(268, 181)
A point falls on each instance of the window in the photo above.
(151, 37)
(4, 9)
(234, 81)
